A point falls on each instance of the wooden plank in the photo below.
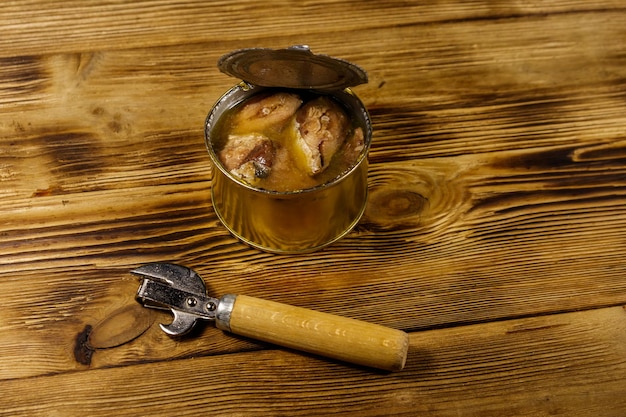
(497, 192)
(111, 122)
(560, 365)
(423, 257)
(497, 187)
(447, 284)
(34, 27)
(435, 95)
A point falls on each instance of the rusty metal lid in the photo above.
(294, 67)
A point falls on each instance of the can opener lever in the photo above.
(182, 291)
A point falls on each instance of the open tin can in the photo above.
(300, 184)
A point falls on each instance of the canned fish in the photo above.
(289, 148)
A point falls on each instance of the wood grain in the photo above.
(494, 233)
(533, 366)
(34, 28)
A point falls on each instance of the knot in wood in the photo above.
(396, 204)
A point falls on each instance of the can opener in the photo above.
(182, 291)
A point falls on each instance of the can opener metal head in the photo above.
(182, 291)
(179, 289)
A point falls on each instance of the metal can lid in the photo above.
(294, 67)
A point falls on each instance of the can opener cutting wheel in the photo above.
(182, 291)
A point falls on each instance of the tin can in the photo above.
(303, 218)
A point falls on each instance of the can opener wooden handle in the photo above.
(182, 291)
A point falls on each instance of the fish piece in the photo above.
(262, 112)
(320, 126)
(248, 157)
(353, 147)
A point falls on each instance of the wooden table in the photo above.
(495, 232)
